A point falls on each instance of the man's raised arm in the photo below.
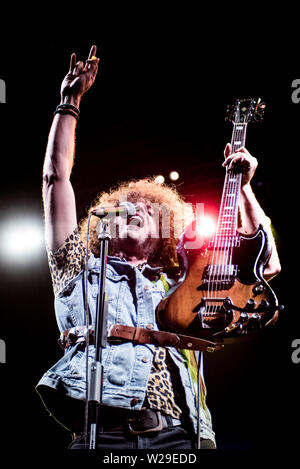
(58, 194)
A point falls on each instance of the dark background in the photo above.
(157, 105)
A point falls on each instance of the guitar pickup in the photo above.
(218, 277)
(220, 272)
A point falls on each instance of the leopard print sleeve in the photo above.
(67, 262)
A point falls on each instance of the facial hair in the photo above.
(130, 247)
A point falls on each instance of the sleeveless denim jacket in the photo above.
(132, 300)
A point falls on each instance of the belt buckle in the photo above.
(158, 427)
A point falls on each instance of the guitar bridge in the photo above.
(212, 309)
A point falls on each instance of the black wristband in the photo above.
(67, 109)
(68, 106)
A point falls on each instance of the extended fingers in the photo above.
(91, 62)
(72, 63)
(92, 52)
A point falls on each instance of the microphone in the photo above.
(125, 209)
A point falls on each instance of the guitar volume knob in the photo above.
(258, 289)
(251, 304)
(255, 322)
(255, 317)
(244, 316)
(264, 304)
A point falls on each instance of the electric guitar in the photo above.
(223, 294)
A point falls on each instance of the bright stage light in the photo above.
(174, 175)
(206, 226)
(159, 179)
(21, 240)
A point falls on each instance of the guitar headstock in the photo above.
(245, 110)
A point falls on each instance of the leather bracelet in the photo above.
(68, 106)
(67, 109)
(71, 113)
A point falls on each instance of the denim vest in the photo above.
(132, 300)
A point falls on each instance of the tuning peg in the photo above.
(259, 111)
(229, 112)
(258, 117)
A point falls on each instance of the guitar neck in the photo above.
(228, 215)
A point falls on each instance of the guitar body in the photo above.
(222, 293)
(197, 308)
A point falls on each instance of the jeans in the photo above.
(169, 438)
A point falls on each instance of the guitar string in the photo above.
(222, 256)
(233, 177)
(217, 262)
(227, 225)
(237, 185)
(234, 201)
(227, 204)
(226, 221)
(224, 246)
(215, 256)
(225, 235)
(218, 239)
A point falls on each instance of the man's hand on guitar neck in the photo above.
(240, 160)
(251, 213)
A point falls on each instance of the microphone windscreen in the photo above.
(130, 208)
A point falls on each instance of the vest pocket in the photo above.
(120, 366)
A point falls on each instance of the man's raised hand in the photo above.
(80, 77)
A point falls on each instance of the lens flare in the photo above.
(206, 226)
(174, 175)
(159, 179)
(21, 240)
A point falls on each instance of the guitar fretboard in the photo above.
(227, 222)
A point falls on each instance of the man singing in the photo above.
(149, 392)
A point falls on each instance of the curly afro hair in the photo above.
(170, 203)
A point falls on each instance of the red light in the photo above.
(205, 226)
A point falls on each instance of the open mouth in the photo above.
(136, 221)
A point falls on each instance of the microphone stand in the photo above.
(96, 370)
